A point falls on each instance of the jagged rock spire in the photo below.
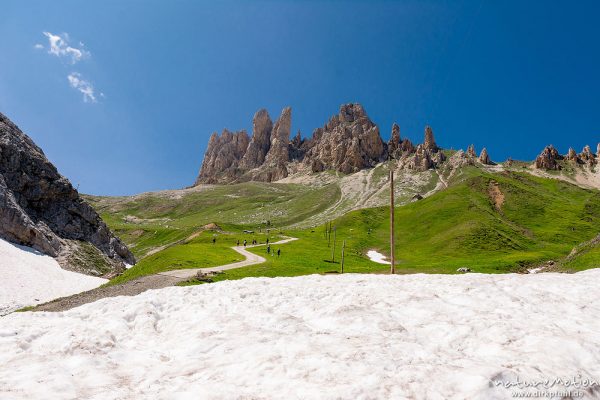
(429, 142)
(261, 140)
(484, 158)
(280, 138)
(394, 143)
(587, 156)
(572, 155)
(471, 151)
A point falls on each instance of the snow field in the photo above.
(314, 337)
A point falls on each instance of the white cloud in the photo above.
(59, 46)
(38, 46)
(83, 86)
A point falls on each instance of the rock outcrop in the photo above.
(275, 165)
(548, 159)
(41, 209)
(586, 156)
(394, 144)
(223, 156)
(261, 141)
(572, 156)
(348, 142)
(429, 142)
(598, 150)
(471, 151)
(484, 157)
(425, 156)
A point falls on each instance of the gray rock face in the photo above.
(347, 143)
(598, 150)
(261, 141)
(275, 165)
(234, 157)
(40, 208)
(223, 156)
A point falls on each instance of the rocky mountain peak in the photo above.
(548, 159)
(348, 142)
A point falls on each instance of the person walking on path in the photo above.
(244, 242)
(214, 240)
(278, 252)
(268, 248)
(267, 240)
(238, 243)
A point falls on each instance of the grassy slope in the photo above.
(540, 219)
(160, 219)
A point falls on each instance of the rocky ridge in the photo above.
(551, 159)
(347, 143)
(41, 209)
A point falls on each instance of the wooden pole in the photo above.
(392, 256)
(343, 248)
(333, 249)
(329, 235)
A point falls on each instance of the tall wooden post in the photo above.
(333, 249)
(392, 257)
(343, 248)
(329, 235)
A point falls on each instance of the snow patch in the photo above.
(377, 257)
(28, 277)
(327, 337)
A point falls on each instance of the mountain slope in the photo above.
(485, 218)
(40, 208)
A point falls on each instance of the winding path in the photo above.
(251, 259)
(154, 281)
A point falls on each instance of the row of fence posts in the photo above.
(329, 229)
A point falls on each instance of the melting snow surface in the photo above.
(377, 257)
(314, 337)
(28, 277)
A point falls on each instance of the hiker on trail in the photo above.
(244, 242)
(278, 252)
(214, 240)
(267, 240)
(238, 242)
(268, 248)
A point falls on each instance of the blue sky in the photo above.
(127, 100)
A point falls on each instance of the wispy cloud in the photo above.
(85, 87)
(59, 45)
